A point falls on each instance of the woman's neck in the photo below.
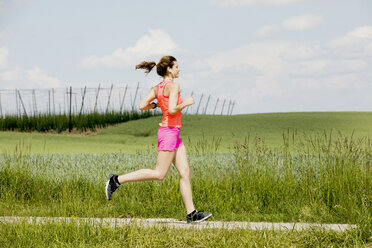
(167, 78)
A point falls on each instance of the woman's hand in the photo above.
(189, 101)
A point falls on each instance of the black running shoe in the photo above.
(197, 216)
(111, 186)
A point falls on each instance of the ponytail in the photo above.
(161, 67)
(146, 66)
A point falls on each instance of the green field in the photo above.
(86, 235)
(287, 167)
(140, 135)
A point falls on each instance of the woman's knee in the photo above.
(160, 175)
(184, 172)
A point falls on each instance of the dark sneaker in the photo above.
(197, 216)
(111, 186)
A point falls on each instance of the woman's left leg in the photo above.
(182, 166)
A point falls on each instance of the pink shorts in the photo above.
(168, 139)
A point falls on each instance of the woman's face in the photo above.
(174, 70)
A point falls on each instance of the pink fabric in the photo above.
(168, 139)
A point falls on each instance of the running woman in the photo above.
(170, 146)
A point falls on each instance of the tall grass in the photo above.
(204, 145)
(60, 123)
(323, 178)
(66, 234)
(326, 179)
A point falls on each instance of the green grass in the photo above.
(325, 179)
(85, 235)
(60, 123)
(302, 167)
(140, 135)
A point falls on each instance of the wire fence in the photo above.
(99, 100)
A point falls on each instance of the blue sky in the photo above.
(267, 55)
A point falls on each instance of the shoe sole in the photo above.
(197, 221)
(107, 184)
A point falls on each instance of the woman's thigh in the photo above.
(164, 161)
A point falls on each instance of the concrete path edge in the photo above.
(173, 223)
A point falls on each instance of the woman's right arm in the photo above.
(145, 102)
(173, 108)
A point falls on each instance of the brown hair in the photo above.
(161, 67)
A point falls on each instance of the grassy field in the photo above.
(85, 235)
(297, 167)
(140, 135)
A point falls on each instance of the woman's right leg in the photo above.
(163, 163)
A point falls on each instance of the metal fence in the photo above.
(86, 100)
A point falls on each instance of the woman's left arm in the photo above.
(145, 102)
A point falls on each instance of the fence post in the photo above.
(215, 106)
(54, 104)
(122, 103)
(49, 102)
(76, 107)
(223, 105)
(69, 115)
(24, 109)
(34, 101)
(192, 93)
(232, 107)
(82, 101)
(201, 98)
(135, 97)
(108, 101)
(205, 110)
(66, 102)
(95, 105)
(228, 109)
(16, 95)
(1, 108)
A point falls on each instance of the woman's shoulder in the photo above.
(155, 90)
(173, 86)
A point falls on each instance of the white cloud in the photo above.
(298, 52)
(158, 42)
(262, 59)
(326, 67)
(356, 37)
(294, 23)
(14, 74)
(364, 32)
(261, 56)
(268, 30)
(369, 48)
(355, 44)
(244, 3)
(15, 77)
(331, 83)
(302, 22)
(33, 78)
(275, 69)
(3, 57)
(39, 78)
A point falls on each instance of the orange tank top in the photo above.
(163, 102)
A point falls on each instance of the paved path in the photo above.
(117, 222)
